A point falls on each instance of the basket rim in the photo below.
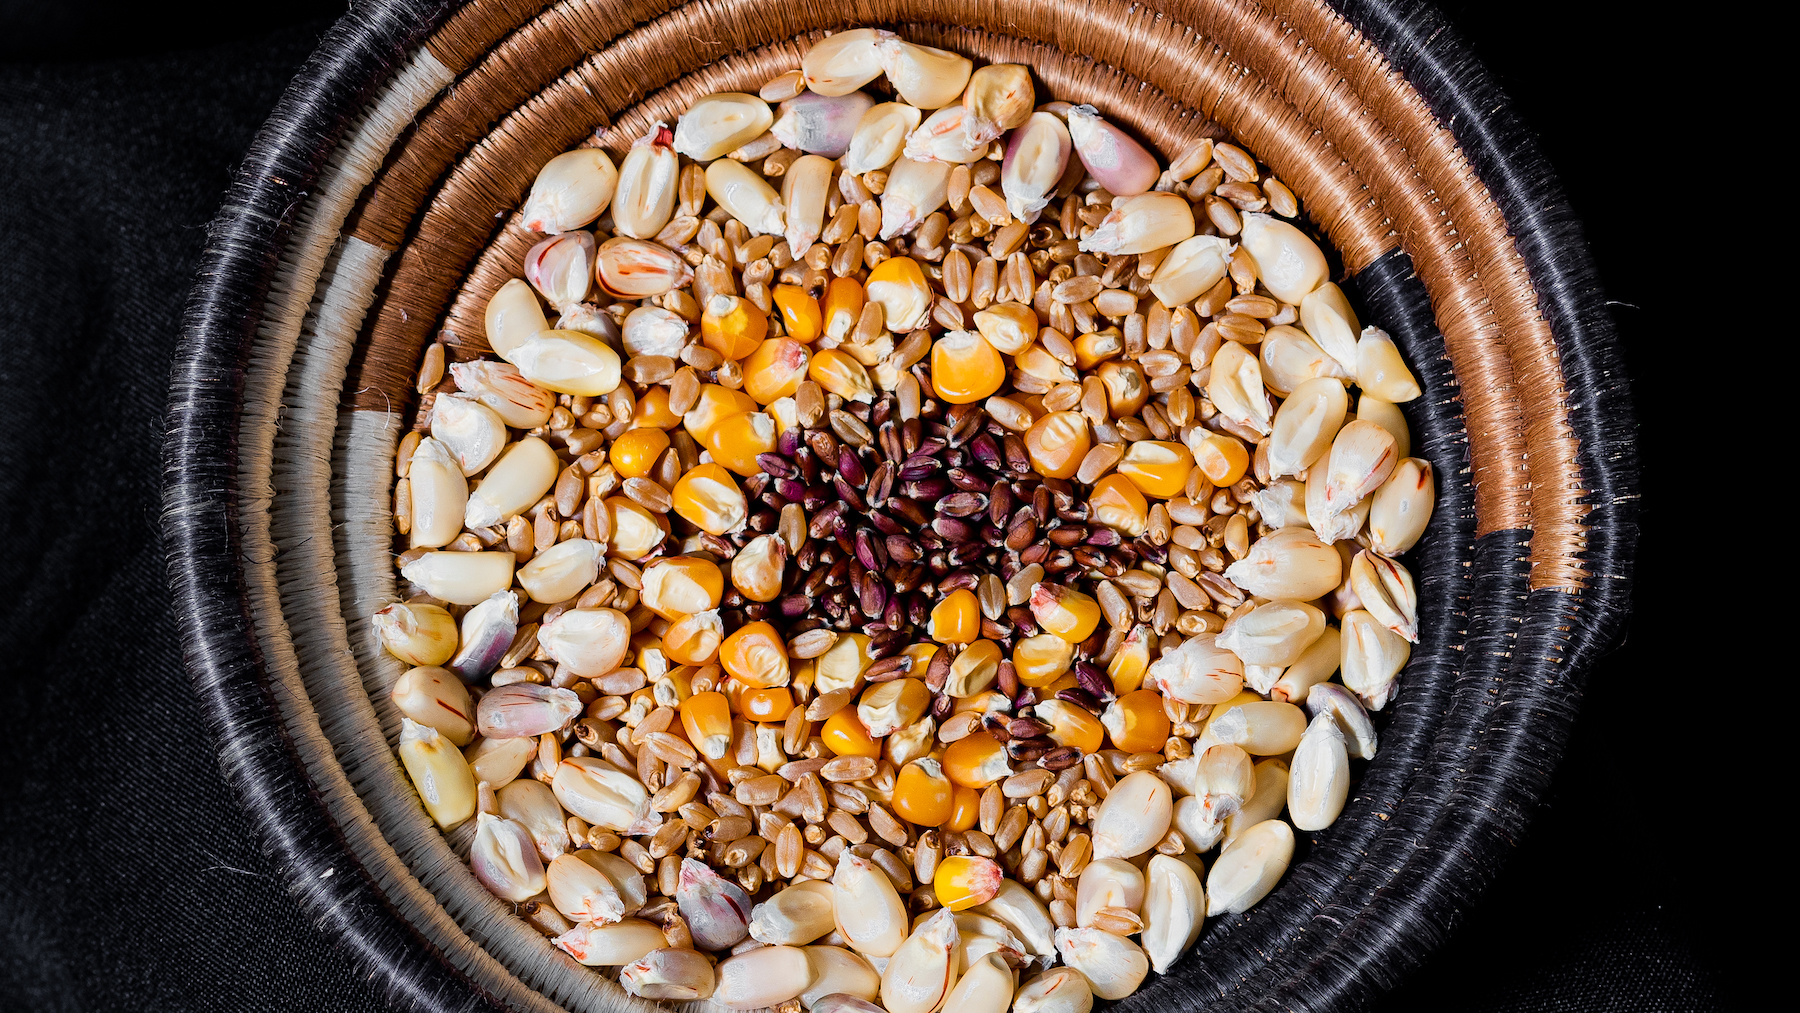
(369, 43)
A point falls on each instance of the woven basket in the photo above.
(375, 212)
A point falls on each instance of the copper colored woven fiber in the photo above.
(1354, 216)
(1407, 160)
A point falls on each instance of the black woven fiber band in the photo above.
(1467, 746)
(244, 241)
(1270, 956)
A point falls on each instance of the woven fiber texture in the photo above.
(117, 805)
(1463, 767)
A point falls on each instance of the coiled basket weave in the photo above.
(376, 212)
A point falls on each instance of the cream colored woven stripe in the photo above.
(272, 439)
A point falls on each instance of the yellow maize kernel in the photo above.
(920, 654)
(636, 532)
(976, 761)
(887, 707)
(1065, 611)
(1157, 467)
(1041, 660)
(775, 369)
(1221, 457)
(767, 704)
(800, 315)
(1033, 403)
(974, 670)
(756, 569)
(898, 285)
(732, 326)
(1095, 347)
(635, 452)
(1116, 502)
(707, 497)
(842, 666)
(1009, 326)
(1136, 722)
(1037, 361)
(922, 794)
(842, 375)
(737, 439)
(756, 656)
(981, 703)
(965, 368)
(715, 405)
(1071, 725)
(965, 809)
(843, 733)
(963, 881)
(785, 413)
(956, 619)
(647, 652)
(681, 586)
(1130, 661)
(694, 639)
(652, 411)
(1056, 444)
(707, 719)
(1126, 389)
(843, 306)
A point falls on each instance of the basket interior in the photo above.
(413, 225)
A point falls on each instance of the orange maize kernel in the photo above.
(1136, 722)
(843, 734)
(921, 656)
(965, 809)
(1056, 443)
(737, 439)
(800, 315)
(694, 640)
(707, 719)
(1130, 661)
(732, 326)
(1042, 659)
(965, 368)
(1065, 611)
(887, 707)
(767, 704)
(756, 655)
(1116, 502)
(976, 761)
(636, 531)
(681, 586)
(843, 306)
(635, 452)
(898, 285)
(922, 794)
(1071, 725)
(1126, 389)
(842, 375)
(708, 497)
(715, 405)
(956, 619)
(973, 670)
(963, 881)
(652, 410)
(1095, 347)
(1157, 467)
(1221, 457)
(775, 369)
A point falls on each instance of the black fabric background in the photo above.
(128, 877)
